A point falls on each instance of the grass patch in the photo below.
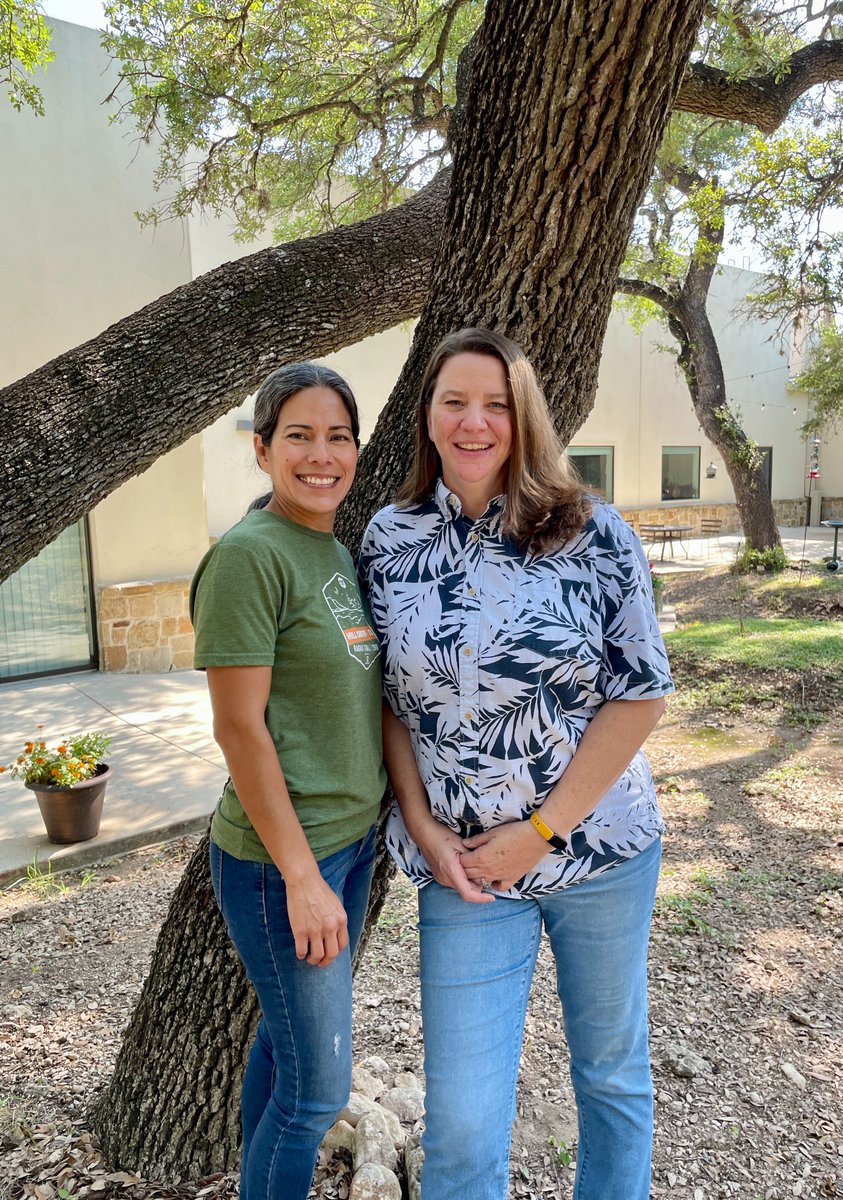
(767, 645)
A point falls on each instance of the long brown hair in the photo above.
(546, 503)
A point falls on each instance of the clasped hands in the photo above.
(495, 859)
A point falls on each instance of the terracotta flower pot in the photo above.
(72, 814)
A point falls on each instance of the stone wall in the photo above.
(831, 508)
(788, 513)
(145, 626)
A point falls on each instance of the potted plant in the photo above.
(657, 583)
(69, 783)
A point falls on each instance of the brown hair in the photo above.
(545, 502)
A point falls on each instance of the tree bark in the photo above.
(77, 428)
(761, 100)
(544, 195)
(542, 200)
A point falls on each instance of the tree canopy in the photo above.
(25, 50)
(822, 380)
(202, 348)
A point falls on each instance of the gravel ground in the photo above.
(746, 996)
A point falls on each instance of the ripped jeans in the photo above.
(299, 1071)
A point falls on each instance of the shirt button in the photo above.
(472, 591)
(452, 500)
(469, 716)
(467, 652)
(475, 537)
(468, 780)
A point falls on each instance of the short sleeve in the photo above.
(635, 665)
(235, 603)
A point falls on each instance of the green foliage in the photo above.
(73, 760)
(769, 645)
(25, 50)
(566, 1155)
(822, 380)
(309, 114)
(772, 559)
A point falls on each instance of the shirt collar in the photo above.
(450, 505)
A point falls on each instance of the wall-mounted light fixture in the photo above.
(710, 471)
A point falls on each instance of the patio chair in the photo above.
(710, 528)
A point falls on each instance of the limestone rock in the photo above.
(339, 1137)
(683, 1061)
(407, 1103)
(358, 1106)
(413, 1159)
(376, 1065)
(374, 1182)
(373, 1142)
(366, 1083)
(790, 1072)
(407, 1079)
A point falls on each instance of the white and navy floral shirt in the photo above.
(496, 660)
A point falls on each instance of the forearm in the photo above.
(441, 846)
(404, 778)
(613, 738)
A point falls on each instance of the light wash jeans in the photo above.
(477, 964)
(299, 1071)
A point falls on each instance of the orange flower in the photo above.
(28, 748)
(42, 745)
(2, 769)
(62, 749)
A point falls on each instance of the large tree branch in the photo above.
(761, 100)
(645, 290)
(172, 368)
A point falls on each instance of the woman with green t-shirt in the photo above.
(294, 674)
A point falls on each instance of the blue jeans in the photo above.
(299, 1072)
(477, 964)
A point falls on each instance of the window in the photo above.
(680, 472)
(766, 453)
(596, 467)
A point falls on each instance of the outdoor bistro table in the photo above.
(836, 526)
(667, 535)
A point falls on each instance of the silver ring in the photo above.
(484, 883)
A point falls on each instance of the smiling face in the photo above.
(311, 458)
(469, 423)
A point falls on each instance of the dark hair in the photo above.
(546, 503)
(284, 383)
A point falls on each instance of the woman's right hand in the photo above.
(318, 921)
(442, 848)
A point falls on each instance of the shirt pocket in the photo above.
(555, 617)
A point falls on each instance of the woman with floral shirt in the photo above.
(523, 670)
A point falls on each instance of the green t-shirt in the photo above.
(274, 593)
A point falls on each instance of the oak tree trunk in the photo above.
(700, 360)
(564, 113)
(686, 310)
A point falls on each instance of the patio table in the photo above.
(667, 535)
(836, 525)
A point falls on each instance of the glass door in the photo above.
(46, 614)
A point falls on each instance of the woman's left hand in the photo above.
(503, 855)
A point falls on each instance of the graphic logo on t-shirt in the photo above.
(343, 600)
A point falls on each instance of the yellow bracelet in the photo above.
(559, 843)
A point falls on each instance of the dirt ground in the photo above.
(746, 994)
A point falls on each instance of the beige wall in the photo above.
(153, 527)
(643, 402)
(75, 260)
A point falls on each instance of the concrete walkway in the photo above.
(168, 769)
